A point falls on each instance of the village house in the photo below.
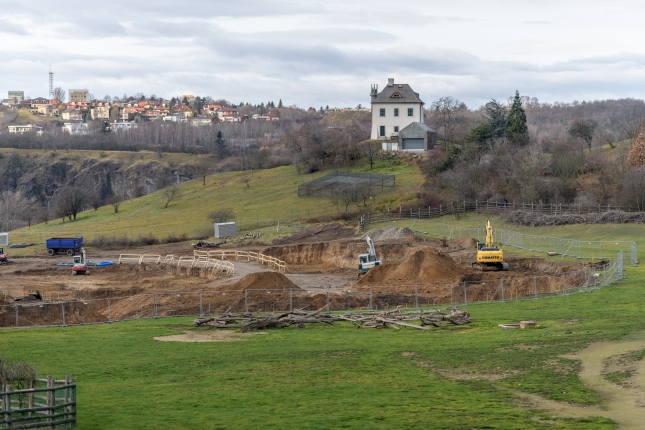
(21, 129)
(75, 127)
(72, 115)
(394, 108)
(100, 110)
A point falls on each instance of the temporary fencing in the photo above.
(594, 250)
(73, 311)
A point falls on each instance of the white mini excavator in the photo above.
(80, 264)
(367, 261)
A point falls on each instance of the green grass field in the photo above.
(269, 195)
(613, 236)
(338, 377)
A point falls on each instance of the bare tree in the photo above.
(445, 111)
(95, 200)
(633, 188)
(246, 180)
(583, 129)
(204, 169)
(59, 94)
(221, 215)
(115, 201)
(371, 148)
(69, 201)
(170, 193)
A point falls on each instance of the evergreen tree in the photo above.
(184, 101)
(220, 146)
(496, 118)
(280, 103)
(516, 129)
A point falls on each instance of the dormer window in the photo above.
(396, 96)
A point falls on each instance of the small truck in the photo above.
(64, 245)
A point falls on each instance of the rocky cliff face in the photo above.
(39, 177)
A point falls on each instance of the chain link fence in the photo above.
(66, 311)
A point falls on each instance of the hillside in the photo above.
(269, 195)
(37, 174)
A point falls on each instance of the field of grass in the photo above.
(339, 377)
(269, 195)
(613, 236)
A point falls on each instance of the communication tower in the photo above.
(51, 82)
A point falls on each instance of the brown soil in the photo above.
(263, 281)
(426, 266)
(208, 336)
(436, 269)
(389, 233)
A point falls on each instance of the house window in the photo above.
(382, 111)
(396, 111)
(410, 111)
(382, 130)
(396, 128)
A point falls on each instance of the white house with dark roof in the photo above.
(394, 108)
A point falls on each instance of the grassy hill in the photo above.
(267, 196)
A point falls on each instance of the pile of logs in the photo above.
(393, 319)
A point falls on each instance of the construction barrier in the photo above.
(279, 265)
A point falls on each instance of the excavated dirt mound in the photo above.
(389, 233)
(319, 233)
(263, 281)
(426, 266)
(463, 242)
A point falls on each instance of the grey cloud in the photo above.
(11, 28)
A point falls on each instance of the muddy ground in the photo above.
(319, 259)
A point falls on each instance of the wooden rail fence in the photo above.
(208, 265)
(52, 405)
(279, 265)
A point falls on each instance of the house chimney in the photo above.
(390, 82)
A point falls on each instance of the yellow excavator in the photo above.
(489, 256)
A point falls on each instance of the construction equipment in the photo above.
(3, 257)
(489, 256)
(80, 264)
(63, 245)
(367, 261)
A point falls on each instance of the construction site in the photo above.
(316, 267)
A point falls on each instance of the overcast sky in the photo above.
(317, 53)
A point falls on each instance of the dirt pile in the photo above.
(463, 242)
(389, 233)
(318, 233)
(426, 266)
(636, 156)
(263, 281)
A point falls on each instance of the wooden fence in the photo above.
(48, 403)
(210, 265)
(279, 265)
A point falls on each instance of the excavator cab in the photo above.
(3, 256)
